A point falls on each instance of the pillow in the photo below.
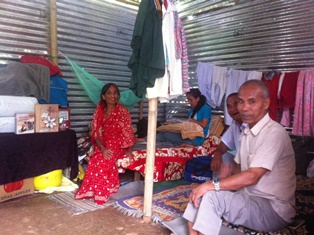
(187, 129)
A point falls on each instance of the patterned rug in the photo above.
(169, 204)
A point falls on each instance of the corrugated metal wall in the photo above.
(23, 28)
(250, 35)
(258, 35)
(96, 35)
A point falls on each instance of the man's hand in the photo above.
(216, 162)
(199, 191)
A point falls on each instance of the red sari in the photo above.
(101, 179)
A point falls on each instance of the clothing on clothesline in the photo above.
(147, 60)
(303, 123)
(273, 90)
(175, 80)
(204, 73)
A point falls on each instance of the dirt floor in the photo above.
(39, 215)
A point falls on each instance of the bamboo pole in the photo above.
(150, 159)
(53, 32)
(137, 175)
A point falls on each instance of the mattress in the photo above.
(10, 105)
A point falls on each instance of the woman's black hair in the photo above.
(195, 92)
(105, 89)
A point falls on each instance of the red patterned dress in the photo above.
(101, 179)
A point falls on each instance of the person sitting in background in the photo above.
(261, 195)
(112, 136)
(200, 113)
(223, 161)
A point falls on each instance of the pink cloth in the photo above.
(303, 123)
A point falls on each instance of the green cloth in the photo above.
(147, 61)
(92, 86)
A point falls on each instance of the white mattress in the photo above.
(7, 124)
(11, 105)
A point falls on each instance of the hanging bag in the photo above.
(198, 169)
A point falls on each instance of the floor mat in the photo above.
(167, 204)
(77, 207)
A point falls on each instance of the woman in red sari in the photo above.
(112, 136)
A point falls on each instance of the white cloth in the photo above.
(204, 73)
(219, 83)
(255, 75)
(268, 145)
(66, 186)
(170, 85)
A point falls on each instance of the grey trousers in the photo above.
(236, 207)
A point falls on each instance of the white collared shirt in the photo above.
(268, 145)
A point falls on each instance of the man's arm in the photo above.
(234, 182)
(216, 162)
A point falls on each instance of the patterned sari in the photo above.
(101, 179)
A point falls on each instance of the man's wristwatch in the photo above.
(216, 183)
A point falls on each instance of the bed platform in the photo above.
(170, 161)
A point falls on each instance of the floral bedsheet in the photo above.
(169, 162)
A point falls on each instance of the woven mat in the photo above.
(77, 207)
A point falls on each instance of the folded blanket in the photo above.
(187, 129)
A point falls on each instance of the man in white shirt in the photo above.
(230, 140)
(261, 195)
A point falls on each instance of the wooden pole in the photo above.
(150, 159)
(141, 109)
(53, 32)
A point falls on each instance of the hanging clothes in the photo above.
(181, 50)
(204, 73)
(303, 123)
(287, 92)
(170, 85)
(286, 96)
(272, 84)
(219, 83)
(147, 60)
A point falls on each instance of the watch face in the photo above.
(216, 181)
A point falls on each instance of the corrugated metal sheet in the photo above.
(97, 36)
(250, 35)
(258, 35)
(23, 28)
